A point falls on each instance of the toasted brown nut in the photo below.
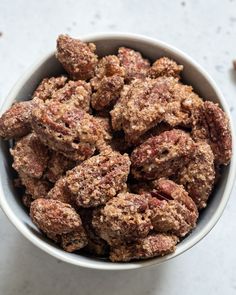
(57, 166)
(77, 57)
(141, 106)
(133, 62)
(107, 92)
(172, 209)
(124, 218)
(199, 174)
(78, 91)
(108, 66)
(67, 129)
(104, 122)
(162, 156)
(96, 245)
(74, 241)
(148, 247)
(165, 66)
(37, 188)
(54, 217)
(145, 103)
(30, 156)
(16, 122)
(48, 87)
(211, 124)
(98, 179)
(60, 192)
(107, 83)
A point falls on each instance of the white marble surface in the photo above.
(204, 29)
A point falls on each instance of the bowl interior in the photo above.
(49, 66)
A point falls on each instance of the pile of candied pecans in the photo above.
(117, 156)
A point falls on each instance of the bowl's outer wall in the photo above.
(50, 67)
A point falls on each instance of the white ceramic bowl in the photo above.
(193, 74)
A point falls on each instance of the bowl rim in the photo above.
(46, 247)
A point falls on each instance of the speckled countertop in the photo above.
(206, 30)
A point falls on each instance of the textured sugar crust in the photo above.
(117, 156)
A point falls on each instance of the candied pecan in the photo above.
(211, 123)
(78, 91)
(124, 218)
(54, 217)
(77, 57)
(30, 156)
(96, 245)
(143, 107)
(15, 122)
(148, 247)
(145, 103)
(199, 174)
(58, 164)
(48, 87)
(74, 241)
(133, 62)
(162, 156)
(104, 123)
(108, 66)
(165, 66)
(67, 129)
(37, 188)
(173, 211)
(60, 192)
(98, 179)
(107, 83)
(107, 92)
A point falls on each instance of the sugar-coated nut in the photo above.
(134, 64)
(96, 245)
(74, 241)
(210, 123)
(60, 192)
(165, 66)
(151, 246)
(107, 92)
(37, 188)
(125, 218)
(57, 166)
(198, 175)
(54, 217)
(78, 91)
(30, 156)
(15, 122)
(172, 209)
(77, 57)
(162, 156)
(67, 129)
(98, 179)
(48, 87)
(108, 66)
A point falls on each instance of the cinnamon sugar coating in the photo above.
(48, 87)
(124, 218)
(151, 246)
(211, 124)
(165, 66)
(198, 175)
(98, 179)
(134, 64)
(16, 121)
(67, 129)
(162, 156)
(30, 156)
(77, 57)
